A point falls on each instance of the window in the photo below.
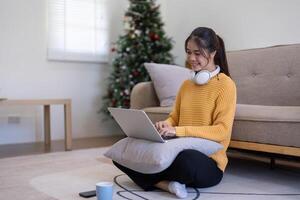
(78, 30)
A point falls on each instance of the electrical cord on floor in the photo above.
(197, 192)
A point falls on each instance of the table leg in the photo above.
(68, 126)
(47, 125)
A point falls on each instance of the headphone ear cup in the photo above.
(192, 75)
(202, 77)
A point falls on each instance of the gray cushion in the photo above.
(150, 157)
(167, 80)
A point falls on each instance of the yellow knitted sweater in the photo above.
(206, 111)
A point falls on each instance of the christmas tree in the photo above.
(144, 41)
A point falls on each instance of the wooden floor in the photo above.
(12, 150)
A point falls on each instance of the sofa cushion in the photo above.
(245, 112)
(167, 80)
(150, 157)
(158, 113)
(267, 113)
(267, 76)
(267, 132)
(163, 110)
(274, 125)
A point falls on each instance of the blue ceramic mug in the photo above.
(104, 190)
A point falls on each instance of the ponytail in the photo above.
(220, 57)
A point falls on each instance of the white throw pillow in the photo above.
(149, 157)
(167, 80)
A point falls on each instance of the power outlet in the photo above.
(13, 120)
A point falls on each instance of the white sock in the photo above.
(178, 189)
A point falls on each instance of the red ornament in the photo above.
(113, 49)
(126, 103)
(113, 103)
(154, 36)
(135, 73)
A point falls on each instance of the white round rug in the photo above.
(243, 180)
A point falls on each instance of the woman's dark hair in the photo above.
(208, 40)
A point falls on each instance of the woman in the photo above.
(204, 107)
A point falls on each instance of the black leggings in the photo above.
(190, 167)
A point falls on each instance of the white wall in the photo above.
(243, 24)
(26, 73)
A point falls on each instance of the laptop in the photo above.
(136, 124)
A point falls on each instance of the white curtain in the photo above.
(78, 30)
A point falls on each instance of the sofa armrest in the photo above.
(143, 95)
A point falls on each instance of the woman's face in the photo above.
(196, 60)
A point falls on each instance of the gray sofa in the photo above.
(267, 117)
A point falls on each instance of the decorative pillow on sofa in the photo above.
(167, 80)
(149, 157)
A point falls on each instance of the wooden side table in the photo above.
(46, 103)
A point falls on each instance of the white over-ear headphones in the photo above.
(203, 76)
